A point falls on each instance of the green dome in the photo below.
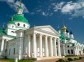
(63, 37)
(20, 18)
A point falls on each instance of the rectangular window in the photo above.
(71, 51)
(68, 51)
(14, 51)
(9, 51)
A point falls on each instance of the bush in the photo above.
(60, 60)
(80, 57)
(34, 59)
(70, 59)
(24, 60)
(76, 58)
(70, 55)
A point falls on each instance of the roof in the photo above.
(20, 18)
(2, 32)
(11, 21)
(64, 37)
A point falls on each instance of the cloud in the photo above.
(14, 4)
(73, 8)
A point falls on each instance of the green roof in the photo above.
(11, 22)
(63, 37)
(20, 18)
(2, 32)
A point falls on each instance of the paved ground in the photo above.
(48, 60)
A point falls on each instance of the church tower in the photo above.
(18, 21)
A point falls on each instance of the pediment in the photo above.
(48, 29)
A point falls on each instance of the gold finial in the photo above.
(64, 28)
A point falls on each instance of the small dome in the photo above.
(20, 18)
(64, 28)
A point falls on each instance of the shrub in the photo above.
(80, 57)
(76, 58)
(70, 59)
(60, 60)
(34, 59)
(70, 55)
(24, 60)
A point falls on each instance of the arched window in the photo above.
(18, 24)
(12, 31)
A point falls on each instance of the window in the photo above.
(71, 51)
(68, 51)
(68, 46)
(72, 44)
(12, 31)
(56, 43)
(9, 51)
(18, 24)
(14, 51)
(24, 25)
(12, 26)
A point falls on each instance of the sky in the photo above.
(48, 12)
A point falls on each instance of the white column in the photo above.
(34, 46)
(20, 47)
(2, 46)
(59, 50)
(40, 45)
(46, 46)
(55, 47)
(64, 50)
(29, 46)
(51, 47)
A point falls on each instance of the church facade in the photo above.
(70, 46)
(20, 41)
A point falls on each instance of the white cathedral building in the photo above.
(19, 40)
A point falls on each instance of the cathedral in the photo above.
(19, 40)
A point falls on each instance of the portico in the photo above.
(41, 44)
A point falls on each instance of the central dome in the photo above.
(19, 18)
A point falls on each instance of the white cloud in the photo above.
(68, 8)
(75, 9)
(10, 1)
(57, 6)
(14, 4)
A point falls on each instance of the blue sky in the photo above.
(48, 12)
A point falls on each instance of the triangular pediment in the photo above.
(48, 29)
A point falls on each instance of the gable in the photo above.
(48, 29)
